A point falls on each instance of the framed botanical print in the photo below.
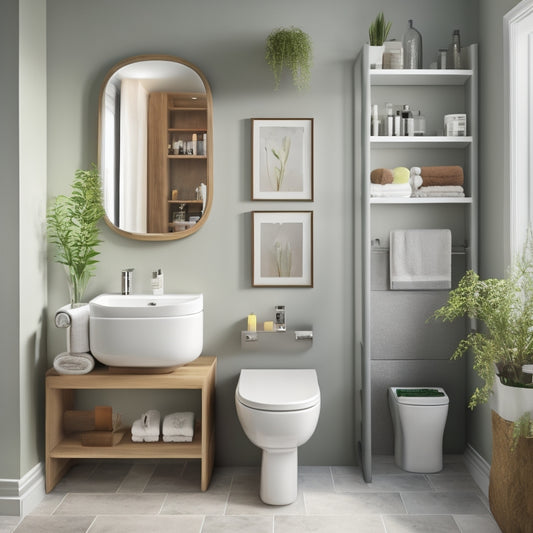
(282, 159)
(282, 248)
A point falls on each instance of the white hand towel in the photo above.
(420, 259)
(178, 425)
(77, 319)
(67, 363)
(176, 438)
(146, 428)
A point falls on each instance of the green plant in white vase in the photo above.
(72, 223)
(504, 341)
(379, 30)
(290, 48)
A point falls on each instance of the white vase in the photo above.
(375, 56)
(511, 402)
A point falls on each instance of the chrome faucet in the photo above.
(127, 281)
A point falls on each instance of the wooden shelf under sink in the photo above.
(62, 449)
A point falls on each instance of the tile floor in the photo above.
(163, 497)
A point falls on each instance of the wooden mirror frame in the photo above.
(209, 151)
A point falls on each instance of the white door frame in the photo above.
(518, 75)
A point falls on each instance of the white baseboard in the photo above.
(478, 468)
(18, 497)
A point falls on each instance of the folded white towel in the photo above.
(178, 425)
(440, 191)
(77, 320)
(68, 363)
(420, 259)
(390, 190)
(176, 438)
(146, 428)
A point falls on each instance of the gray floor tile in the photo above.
(55, 524)
(246, 479)
(319, 503)
(381, 483)
(237, 524)
(89, 477)
(48, 504)
(167, 478)
(455, 481)
(137, 478)
(8, 523)
(328, 524)
(443, 503)
(317, 478)
(144, 524)
(422, 524)
(250, 504)
(202, 503)
(110, 504)
(476, 524)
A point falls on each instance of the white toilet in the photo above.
(418, 418)
(278, 411)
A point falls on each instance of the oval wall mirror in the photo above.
(155, 146)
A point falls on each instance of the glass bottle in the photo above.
(412, 47)
(453, 59)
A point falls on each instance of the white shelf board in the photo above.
(419, 77)
(420, 201)
(383, 141)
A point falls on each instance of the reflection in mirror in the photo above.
(155, 148)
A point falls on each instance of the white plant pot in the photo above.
(511, 402)
(375, 56)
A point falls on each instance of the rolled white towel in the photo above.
(415, 179)
(146, 428)
(77, 320)
(178, 427)
(69, 363)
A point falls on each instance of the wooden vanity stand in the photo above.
(62, 449)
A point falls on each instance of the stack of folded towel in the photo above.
(390, 183)
(146, 428)
(178, 427)
(441, 181)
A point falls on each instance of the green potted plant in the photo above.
(290, 48)
(72, 224)
(501, 348)
(377, 34)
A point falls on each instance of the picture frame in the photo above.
(282, 248)
(282, 159)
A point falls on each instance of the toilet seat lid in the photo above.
(420, 400)
(278, 390)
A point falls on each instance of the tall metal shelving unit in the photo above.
(367, 83)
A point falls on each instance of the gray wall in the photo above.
(22, 212)
(226, 41)
(493, 181)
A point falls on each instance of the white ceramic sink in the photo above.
(146, 330)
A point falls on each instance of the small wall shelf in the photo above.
(283, 341)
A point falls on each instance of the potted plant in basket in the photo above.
(72, 223)
(501, 348)
(290, 48)
(377, 34)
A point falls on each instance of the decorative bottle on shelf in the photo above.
(412, 47)
(453, 59)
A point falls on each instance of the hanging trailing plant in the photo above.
(290, 48)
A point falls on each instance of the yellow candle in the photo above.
(252, 322)
(268, 326)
